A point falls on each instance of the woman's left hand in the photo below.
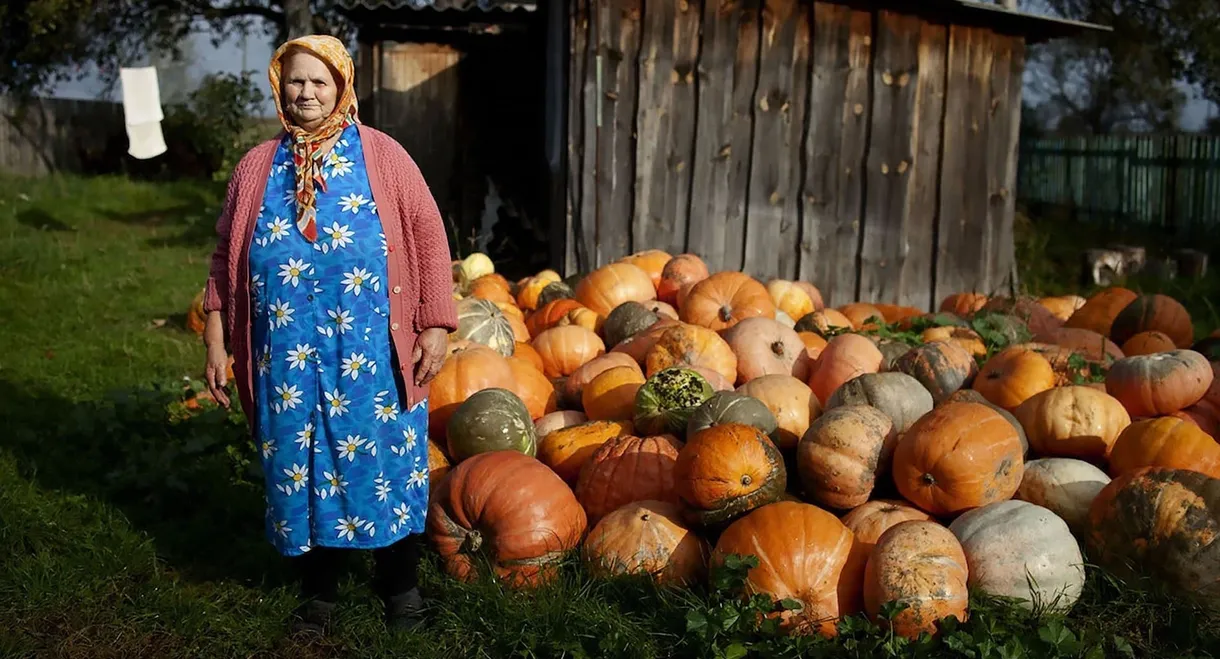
(429, 354)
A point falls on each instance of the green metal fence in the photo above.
(1169, 181)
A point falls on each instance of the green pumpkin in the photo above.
(732, 407)
(491, 420)
(555, 290)
(482, 322)
(665, 402)
(625, 321)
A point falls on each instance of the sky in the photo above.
(230, 55)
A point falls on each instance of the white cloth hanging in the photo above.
(142, 112)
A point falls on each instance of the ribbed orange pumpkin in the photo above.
(1100, 310)
(690, 346)
(682, 270)
(646, 537)
(956, 457)
(651, 261)
(567, 450)
(549, 315)
(533, 388)
(611, 285)
(1165, 442)
(726, 470)
(491, 290)
(508, 510)
(963, 304)
(844, 357)
(790, 400)
(805, 554)
(921, 564)
(465, 372)
(869, 520)
(725, 298)
(1154, 312)
(1012, 375)
(611, 395)
(582, 317)
(565, 349)
(626, 469)
(1147, 343)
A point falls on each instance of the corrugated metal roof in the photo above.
(442, 5)
(1036, 27)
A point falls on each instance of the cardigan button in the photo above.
(394, 326)
(397, 290)
(390, 248)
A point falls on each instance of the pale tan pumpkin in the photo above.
(765, 347)
(790, 400)
(1072, 422)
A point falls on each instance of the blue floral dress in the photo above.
(346, 465)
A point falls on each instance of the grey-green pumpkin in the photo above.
(491, 420)
(482, 322)
(731, 407)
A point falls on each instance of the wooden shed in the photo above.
(867, 146)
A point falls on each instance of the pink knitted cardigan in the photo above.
(418, 263)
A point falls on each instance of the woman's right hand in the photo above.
(214, 370)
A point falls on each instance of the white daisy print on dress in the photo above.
(350, 446)
(356, 364)
(281, 314)
(340, 321)
(268, 448)
(299, 356)
(287, 397)
(332, 484)
(403, 515)
(336, 403)
(297, 476)
(385, 248)
(384, 410)
(419, 478)
(277, 228)
(264, 361)
(352, 203)
(348, 527)
(358, 278)
(382, 489)
(340, 236)
(291, 271)
(419, 404)
(340, 165)
(281, 528)
(305, 437)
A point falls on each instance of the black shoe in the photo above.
(313, 618)
(403, 612)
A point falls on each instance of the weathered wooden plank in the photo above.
(582, 147)
(727, 72)
(619, 43)
(838, 117)
(962, 241)
(666, 125)
(772, 217)
(903, 159)
(1003, 136)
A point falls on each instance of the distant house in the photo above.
(868, 146)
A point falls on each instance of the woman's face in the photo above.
(309, 91)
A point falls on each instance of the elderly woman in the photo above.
(331, 282)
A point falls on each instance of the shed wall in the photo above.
(869, 152)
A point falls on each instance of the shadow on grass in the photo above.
(192, 484)
(39, 219)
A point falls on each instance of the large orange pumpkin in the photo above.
(844, 357)
(651, 261)
(465, 372)
(1062, 306)
(956, 457)
(646, 537)
(611, 285)
(921, 564)
(790, 298)
(568, 449)
(549, 315)
(1165, 442)
(963, 304)
(1160, 383)
(844, 452)
(869, 520)
(765, 347)
(724, 299)
(1012, 375)
(574, 384)
(488, 288)
(1147, 343)
(727, 470)
(625, 469)
(691, 346)
(682, 270)
(533, 388)
(804, 554)
(1100, 310)
(1072, 422)
(1154, 312)
(611, 395)
(507, 510)
(567, 348)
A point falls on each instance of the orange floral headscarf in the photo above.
(305, 144)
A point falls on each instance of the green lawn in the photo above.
(127, 533)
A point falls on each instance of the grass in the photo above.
(128, 530)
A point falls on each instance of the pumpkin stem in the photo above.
(746, 480)
(472, 543)
(726, 314)
(928, 479)
(777, 347)
(645, 517)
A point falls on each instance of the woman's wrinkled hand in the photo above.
(214, 374)
(429, 354)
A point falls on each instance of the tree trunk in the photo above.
(298, 18)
